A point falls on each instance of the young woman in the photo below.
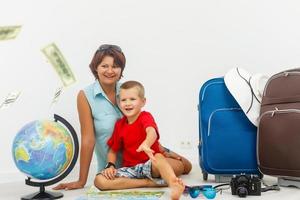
(98, 112)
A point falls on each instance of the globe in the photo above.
(43, 149)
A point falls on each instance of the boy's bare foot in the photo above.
(177, 188)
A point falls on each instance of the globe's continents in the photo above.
(42, 149)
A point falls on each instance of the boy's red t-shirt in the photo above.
(128, 137)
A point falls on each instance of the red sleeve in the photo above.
(148, 121)
(114, 141)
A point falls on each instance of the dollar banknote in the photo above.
(9, 32)
(57, 95)
(10, 99)
(60, 64)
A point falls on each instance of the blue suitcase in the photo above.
(227, 139)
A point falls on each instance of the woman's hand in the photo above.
(109, 173)
(69, 186)
(168, 153)
(171, 154)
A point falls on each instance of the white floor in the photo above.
(14, 191)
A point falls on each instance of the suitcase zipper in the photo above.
(217, 110)
(286, 73)
(279, 111)
(204, 89)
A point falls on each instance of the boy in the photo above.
(136, 134)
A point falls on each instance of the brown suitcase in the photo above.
(278, 139)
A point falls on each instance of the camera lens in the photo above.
(242, 191)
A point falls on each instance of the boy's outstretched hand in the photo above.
(144, 147)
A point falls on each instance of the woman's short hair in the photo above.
(108, 50)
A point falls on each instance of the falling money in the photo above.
(10, 99)
(59, 63)
(9, 32)
(57, 95)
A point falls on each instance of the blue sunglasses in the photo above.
(194, 191)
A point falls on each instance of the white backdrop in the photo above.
(171, 46)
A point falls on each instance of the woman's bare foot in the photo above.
(177, 188)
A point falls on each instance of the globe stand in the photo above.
(42, 194)
(47, 195)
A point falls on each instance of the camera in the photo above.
(243, 185)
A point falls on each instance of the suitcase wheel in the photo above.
(205, 176)
(261, 176)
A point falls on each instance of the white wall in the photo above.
(171, 46)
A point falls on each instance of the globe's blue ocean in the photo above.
(42, 149)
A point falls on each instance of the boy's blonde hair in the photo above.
(136, 84)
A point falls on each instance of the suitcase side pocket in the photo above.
(230, 145)
(278, 142)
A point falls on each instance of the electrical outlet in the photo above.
(185, 144)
